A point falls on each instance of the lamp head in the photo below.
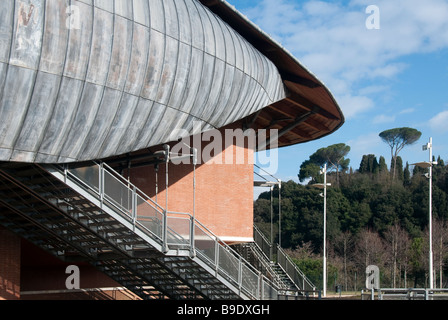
(426, 146)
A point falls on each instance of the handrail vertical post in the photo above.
(192, 242)
(101, 183)
(65, 172)
(165, 212)
(240, 273)
(216, 256)
(262, 288)
(134, 207)
(194, 156)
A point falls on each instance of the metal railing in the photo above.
(412, 294)
(296, 275)
(293, 272)
(173, 230)
(263, 243)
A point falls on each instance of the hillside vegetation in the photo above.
(375, 215)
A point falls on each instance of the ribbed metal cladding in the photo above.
(120, 78)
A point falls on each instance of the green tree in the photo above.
(310, 170)
(369, 164)
(333, 156)
(362, 201)
(383, 172)
(406, 175)
(416, 260)
(397, 167)
(397, 139)
(382, 165)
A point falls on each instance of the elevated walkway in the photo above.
(93, 214)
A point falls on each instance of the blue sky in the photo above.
(394, 76)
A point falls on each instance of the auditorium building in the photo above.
(128, 132)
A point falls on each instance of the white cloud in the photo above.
(439, 122)
(332, 40)
(382, 118)
(369, 143)
(407, 111)
(365, 141)
(373, 89)
(389, 70)
(354, 105)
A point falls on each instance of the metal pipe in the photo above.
(165, 214)
(279, 213)
(431, 269)
(194, 152)
(272, 228)
(325, 233)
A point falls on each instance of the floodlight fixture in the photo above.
(424, 164)
(321, 185)
(265, 183)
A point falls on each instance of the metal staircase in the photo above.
(282, 271)
(93, 214)
(285, 283)
(295, 278)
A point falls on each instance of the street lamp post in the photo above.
(271, 185)
(279, 213)
(324, 186)
(429, 165)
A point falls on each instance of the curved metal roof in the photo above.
(309, 111)
(119, 76)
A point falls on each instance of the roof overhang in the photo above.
(309, 111)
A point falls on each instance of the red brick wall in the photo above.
(224, 192)
(9, 265)
(43, 276)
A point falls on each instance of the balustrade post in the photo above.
(192, 242)
(216, 256)
(65, 173)
(194, 155)
(165, 232)
(134, 207)
(240, 273)
(101, 183)
(165, 212)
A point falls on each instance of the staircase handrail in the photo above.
(221, 257)
(263, 243)
(267, 264)
(293, 270)
(285, 262)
